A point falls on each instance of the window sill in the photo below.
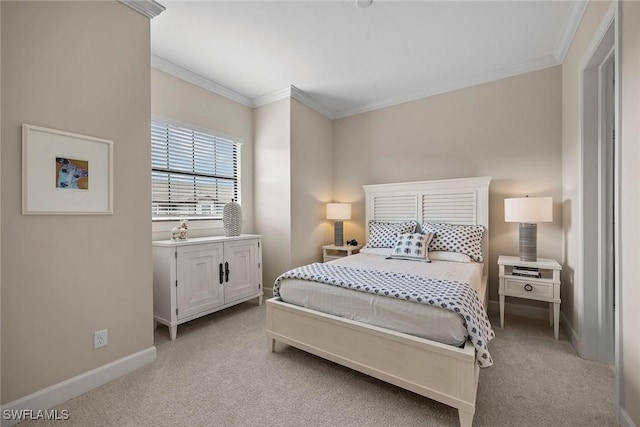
(161, 230)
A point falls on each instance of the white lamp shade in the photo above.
(339, 211)
(528, 210)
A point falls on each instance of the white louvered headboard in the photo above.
(463, 201)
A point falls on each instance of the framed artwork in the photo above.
(64, 173)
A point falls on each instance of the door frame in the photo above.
(592, 315)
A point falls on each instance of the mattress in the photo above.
(408, 317)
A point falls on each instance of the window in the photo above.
(193, 174)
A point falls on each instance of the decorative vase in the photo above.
(232, 219)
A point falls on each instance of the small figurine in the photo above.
(352, 242)
(180, 232)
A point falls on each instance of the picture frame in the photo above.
(65, 173)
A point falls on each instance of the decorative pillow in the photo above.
(383, 234)
(464, 239)
(449, 256)
(412, 246)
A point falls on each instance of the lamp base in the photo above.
(338, 238)
(528, 242)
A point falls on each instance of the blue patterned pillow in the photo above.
(412, 246)
(383, 234)
(464, 239)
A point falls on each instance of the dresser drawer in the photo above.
(528, 289)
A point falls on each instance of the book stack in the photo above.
(526, 272)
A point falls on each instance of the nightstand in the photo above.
(519, 279)
(331, 252)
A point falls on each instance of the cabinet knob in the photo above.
(221, 274)
(528, 287)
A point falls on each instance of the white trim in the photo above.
(571, 333)
(148, 8)
(625, 419)
(617, 231)
(295, 93)
(521, 310)
(611, 16)
(460, 83)
(570, 26)
(189, 76)
(73, 387)
(164, 226)
(579, 297)
(308, 100)
(196, 79)
(274, 96)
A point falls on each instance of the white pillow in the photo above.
(383, 234)
(411, 246)
(465, 239)
(376, 251)
(449, 256)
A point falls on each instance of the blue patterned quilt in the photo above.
(453, 296)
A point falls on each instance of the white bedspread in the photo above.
(403, 316)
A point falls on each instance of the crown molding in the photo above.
(310, 102)
(299, 95)
(295, 93)
(570, 26)
(148, 8)
(196, 79)
(480, 78)
(271, 97)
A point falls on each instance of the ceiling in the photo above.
(343, 60)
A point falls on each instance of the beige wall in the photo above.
(66, 276)
(272, 136)
(292, 184)
(311, 179)
(178, 100)
(630, 209)
(571, 281)
(508, 129)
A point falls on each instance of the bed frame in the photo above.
(440, 372)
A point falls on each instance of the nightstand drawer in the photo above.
(528, 289)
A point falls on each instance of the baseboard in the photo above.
(625, 419)
(268, 292)
(520, 310)
(571, 333)
(73, 387)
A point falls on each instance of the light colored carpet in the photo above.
(218, 372)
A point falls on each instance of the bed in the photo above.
(440, 371)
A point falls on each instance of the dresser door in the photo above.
(199, 288)
(241, 257)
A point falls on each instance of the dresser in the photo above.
(199, 276)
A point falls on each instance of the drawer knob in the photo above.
(528, 287)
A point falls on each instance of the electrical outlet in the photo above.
(100, 338)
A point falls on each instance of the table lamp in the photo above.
(528, 211)
(338, 212)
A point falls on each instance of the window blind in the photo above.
(193, 174)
